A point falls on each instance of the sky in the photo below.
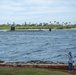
(36, 11)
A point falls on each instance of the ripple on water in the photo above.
(42, 45)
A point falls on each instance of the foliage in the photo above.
(38, 26)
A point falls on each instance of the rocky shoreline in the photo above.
(37, 64)
(43, 62)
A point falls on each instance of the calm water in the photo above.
(37, 45)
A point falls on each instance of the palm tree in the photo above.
(62, 23)
(50, 22)
(25, 24)
(29, 23)
(13, 23)
(54, 22)
(69, 22)
(8, 23)
(66, 23)
(57, 23)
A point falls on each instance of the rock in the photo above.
(1, 61)
(39, 62)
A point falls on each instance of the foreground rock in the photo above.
(50, 66)
(43, 62)
(37, 64)
(1, 61)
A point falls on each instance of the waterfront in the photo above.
(37, 45)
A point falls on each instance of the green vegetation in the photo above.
(56, 25)
(10, 71)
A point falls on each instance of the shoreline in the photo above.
(36, 29)
(50, 66)
(37, 64)
(33, 62)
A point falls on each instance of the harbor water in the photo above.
(44, 45)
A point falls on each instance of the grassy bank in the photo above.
(10, 71)
(18, 27)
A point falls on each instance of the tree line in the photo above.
(25, 25)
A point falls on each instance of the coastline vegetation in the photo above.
(55, 25)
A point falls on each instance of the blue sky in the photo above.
(36, 11)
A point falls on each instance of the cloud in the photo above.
(34, 6)
(25, 9)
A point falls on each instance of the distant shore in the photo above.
(37, 26)
(37, 29)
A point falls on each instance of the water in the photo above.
(37, 45)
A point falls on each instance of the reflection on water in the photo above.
(43, 45)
